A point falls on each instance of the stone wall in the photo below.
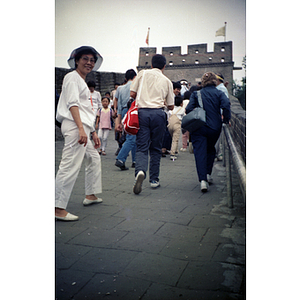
(238, 126)
(105, 81)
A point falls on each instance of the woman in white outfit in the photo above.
(75, 112)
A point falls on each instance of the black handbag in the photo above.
(196, 118)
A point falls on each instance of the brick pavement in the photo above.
(170, 243)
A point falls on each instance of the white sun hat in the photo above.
(85, 50)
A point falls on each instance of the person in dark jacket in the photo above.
(204, 139)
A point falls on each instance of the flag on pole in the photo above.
(221, 31)
(147, 37)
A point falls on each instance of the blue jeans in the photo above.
(149, 140)
(129, 144)
(204, 140)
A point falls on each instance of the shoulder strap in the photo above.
(140, 89)
(199, 99)
(174, 113)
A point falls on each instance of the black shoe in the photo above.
(133, 165)
(121, 165)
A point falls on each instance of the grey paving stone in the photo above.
(113, 287)
(202, 276)
(102, 260)
(142, 242)
(210, 221)
(66, 255)
(156, 268)
(140, 226)
(165, 292)
(175, 231)
(187, 250)
(97, 237)
(70, 282)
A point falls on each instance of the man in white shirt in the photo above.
(220, 84)
(155, 92)
(96, 96)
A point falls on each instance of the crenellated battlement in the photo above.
(195, 63)
(196, 54)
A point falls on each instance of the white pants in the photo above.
(72, 158)
(103, 135)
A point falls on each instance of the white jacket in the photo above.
(75, 92)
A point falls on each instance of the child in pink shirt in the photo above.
(103, 122)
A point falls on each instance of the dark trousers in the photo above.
(204, 141)
(167, 141)
(149, 141)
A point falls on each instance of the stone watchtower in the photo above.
(195, 63)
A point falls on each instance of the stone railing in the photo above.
(238, 126)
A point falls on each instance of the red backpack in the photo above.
(131, 120)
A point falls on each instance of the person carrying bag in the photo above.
(131, 118)
(204, 138)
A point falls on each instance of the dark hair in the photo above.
(105, 98)
(83, 52)
(195, 88)
(187, 95)
(178, 100)
(130, 74)
(220, 77)
(91, 83)
(158, 61)
(107, 93)
(176, 85)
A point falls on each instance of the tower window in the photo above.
(210, 58)
(183, 60)
(171, 63)
(196, 51)
(146, 63)
(222, 59)
(171, 53)
(197, 62)
(223, 49)
(147, 53)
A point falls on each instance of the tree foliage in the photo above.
(239, 90)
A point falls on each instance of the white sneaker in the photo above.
(89, 202)
(173, 157)
(209, 179)
(183, 149)
(137, 187)
(204, 186)
(154, 184)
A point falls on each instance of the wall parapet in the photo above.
(238, 126)
(105, 81)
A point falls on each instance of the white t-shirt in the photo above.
(96, 97)
(75, 92)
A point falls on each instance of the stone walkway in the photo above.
(173, 242)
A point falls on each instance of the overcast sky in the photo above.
(118, 28)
